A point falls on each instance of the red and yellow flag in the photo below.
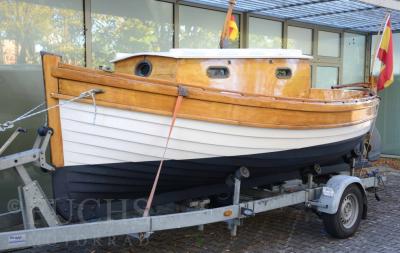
(233, 33)
(230, 31)
(385, 55)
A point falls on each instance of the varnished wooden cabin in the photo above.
(267, 72)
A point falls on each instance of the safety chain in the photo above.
(32, 112)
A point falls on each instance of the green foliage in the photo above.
(191, 36)
(115, 34)
(54, 26)
(34, 27)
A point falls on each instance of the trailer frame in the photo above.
(321, 198)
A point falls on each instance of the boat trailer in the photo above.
(336, 200)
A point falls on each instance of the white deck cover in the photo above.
(242, 53)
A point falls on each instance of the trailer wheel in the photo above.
(346, 220)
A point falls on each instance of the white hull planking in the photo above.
(128, 136)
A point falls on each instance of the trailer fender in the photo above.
(332, 193)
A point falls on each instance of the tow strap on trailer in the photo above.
(182, 92)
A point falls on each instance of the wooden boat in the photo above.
(244, 107)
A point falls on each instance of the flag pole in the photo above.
(225, 29)
(375, 55)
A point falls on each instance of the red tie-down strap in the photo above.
(182, 92)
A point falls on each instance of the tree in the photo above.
(115, 34)
(34, 27)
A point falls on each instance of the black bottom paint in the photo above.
(77, 187)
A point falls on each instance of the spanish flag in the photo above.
(233, 33)
(385, 55)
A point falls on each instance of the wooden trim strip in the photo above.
(53, 116)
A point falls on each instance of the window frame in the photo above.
(244, 36)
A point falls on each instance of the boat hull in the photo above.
(114, 154)
(119, 136)
(89, 187)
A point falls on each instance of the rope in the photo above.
(31, 113)
(93, 95)
(182, 93)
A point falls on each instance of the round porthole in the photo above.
(143, 69)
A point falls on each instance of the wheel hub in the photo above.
(349, 210)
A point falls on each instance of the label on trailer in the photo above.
(17, 239)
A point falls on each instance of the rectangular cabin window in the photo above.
(218, 72)
(283, 73)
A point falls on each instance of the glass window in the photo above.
(264, 33)
(300, 38)
(283, 73)
(26, 28)
(129, 26)
(328, 44)
(326, 77)
(201, 28)
(376, 68)
(353, 58)
(218, 72)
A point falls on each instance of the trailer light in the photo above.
(328, 191)
(228, 213)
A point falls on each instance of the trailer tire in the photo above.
(345, 222)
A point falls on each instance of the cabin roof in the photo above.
(244, 53)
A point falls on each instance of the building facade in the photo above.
(92, 32)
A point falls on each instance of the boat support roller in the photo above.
(31, 195)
